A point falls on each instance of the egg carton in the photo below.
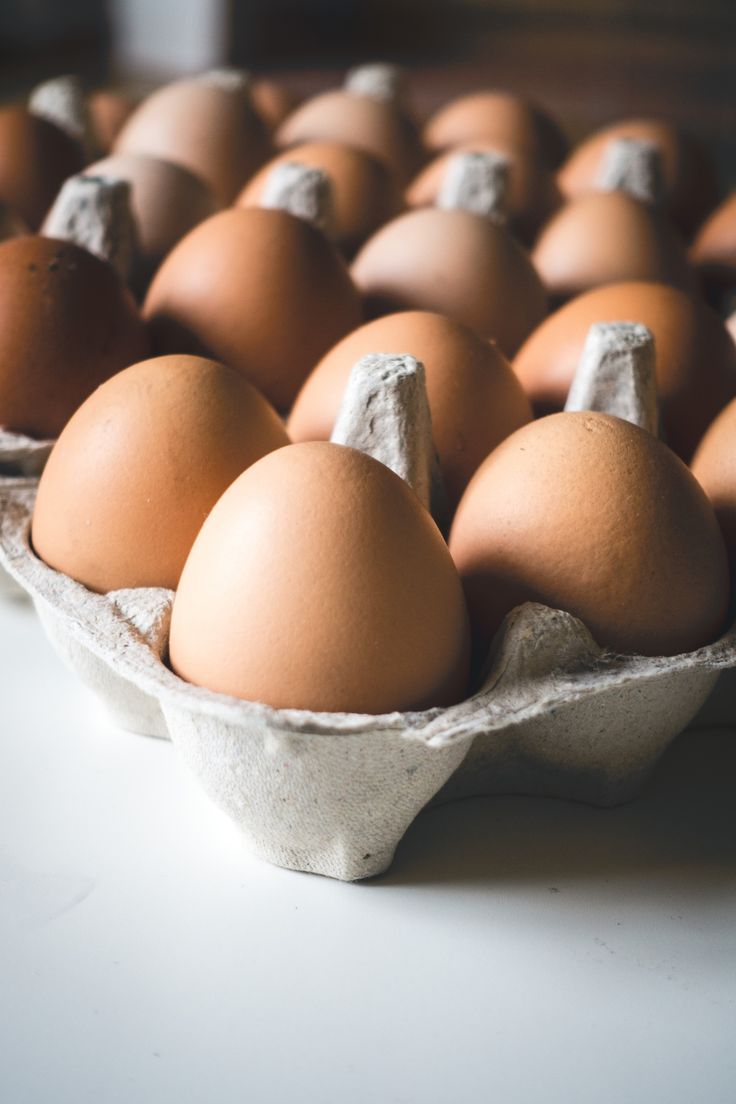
(21, 462)
(333, 794)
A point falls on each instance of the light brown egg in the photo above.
(260, 290)
(689, 176)
(211, 130)
(36, 157)
(109, 108)
(365, 193)
(319, 581)
(714, 248)
(456, 263)
(731, 326)
(532, 197)
(167, 200)
(695, 360)
(273, 101)
(66, 324)
(474, 397)
(590, 514)
(714, 466)
(604, 237)
(497, 117)
(375, 126)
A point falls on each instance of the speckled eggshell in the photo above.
(273, 101)
(109, 109)
(496, 117)
(532, 197)
(139, 466)
(714, 249)
(714, 466)
(36, 157)
(689, 175)
(167, 201)
(695, 358)
(320, 582)
(458, 264)
(590, 514)
(261, 290)
(605, 237)
(365, 193)
(212, 131)
(474, 397)
(377, 127)
(66, 324)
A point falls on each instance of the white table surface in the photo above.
(518, 950)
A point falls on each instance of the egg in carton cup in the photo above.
(333, 793)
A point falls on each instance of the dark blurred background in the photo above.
(588, 61)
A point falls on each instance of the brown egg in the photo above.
(365, 193)
(11, 224)
(532, 191)
(695, 360)
(731, 326)
(167, 200)
(714, 466)
(211, 130)
(36, 157)
(474, 397)
(375, 126)
(140, 465)
(604, 237)
(319, 581)
(497, 117)
(590, 514)
(66, 324)
(459, 264)
(273, 101)
(689, 176)
(714, 248)
(260, 290)
(109, 108)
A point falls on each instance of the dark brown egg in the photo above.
(140, 465)
(273, 101)
(497, 117)
(66, 325)
(36, 157)
(378, 127)
(456, 263)
(605, 237)
(695, 358)
(211, 129)
(474, 397)
(590, 514)
(109, 108)
(260, 290)
(689, 176)
(365, 193)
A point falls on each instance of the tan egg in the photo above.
(66, 324)
(109, 108)
(604, 237)
(532, 196)
(497, 117)
(714, 248)
(319, 581)
(456, 263)
(211, 130)
(260, 290)
(714, 466)
(36, 157)
(140, 465)
(689, 175)
(365, 193)
(695, 360)
(167, 200)
(474, 397)
(590, 514)
(273, 101)
(375, 126)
